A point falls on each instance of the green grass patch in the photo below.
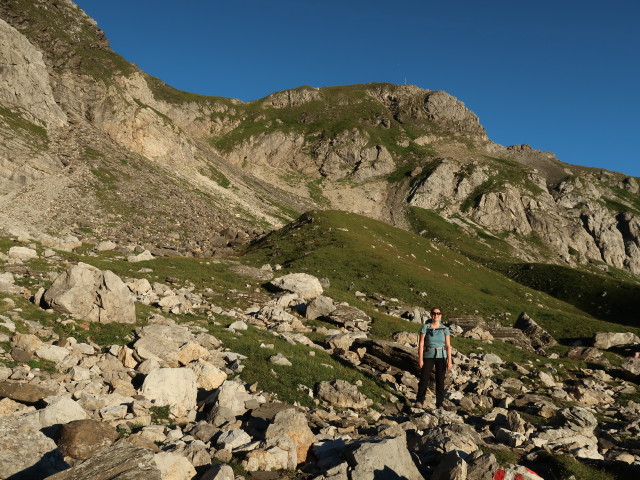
(159, 414)
(315, 192)
(504, 456)
(216, 175)
(17, 123)
(565, 467)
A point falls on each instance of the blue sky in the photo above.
(562, 75)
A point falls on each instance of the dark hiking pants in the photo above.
(425, 379)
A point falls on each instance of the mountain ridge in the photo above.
(374, 149)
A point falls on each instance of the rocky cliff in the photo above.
(90, 142)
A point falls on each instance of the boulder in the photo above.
(302, 284)
(52, 353)
(24, 392)
(233, 396)
(219, 472)
(81, 439)
(451, 467)
(121, 461)
(60, 410)
(350, 318)
(91, 294)
(631, 369)
(171, 386)
(174, 466)
(208, 376)
(278, 453)
(319, 307)
(141, 257)
(382, 458)
(22, 254)
(27, 342)
(159, 348)
(105, 246)
(481, 466)
(577, 419)
(606, 340)
(233, 439)
(293, 424)
(584, 353)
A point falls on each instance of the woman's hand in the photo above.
(449, 364)
(420, 363)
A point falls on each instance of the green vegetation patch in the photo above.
(216, 176)
(18, 123)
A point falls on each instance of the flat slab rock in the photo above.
(24, 392)
(122, 461)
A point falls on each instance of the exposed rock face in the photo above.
(567, 217)
(88, 293)
(25, 82)
(442, 107)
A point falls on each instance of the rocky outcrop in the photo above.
(25, 85)
(539, 337)
(448, 110)
(567, 218)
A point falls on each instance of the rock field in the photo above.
(171, 403)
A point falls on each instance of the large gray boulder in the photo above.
(319, 307)
(606, 340)
(293, 424)
(91, 294)
(302, 284)
(383, 458)
(233, 396)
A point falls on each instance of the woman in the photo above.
(434, 349)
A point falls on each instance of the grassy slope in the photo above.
(357, 253)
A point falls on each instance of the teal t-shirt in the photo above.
(434, 341)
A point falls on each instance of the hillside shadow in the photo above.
(603, 297)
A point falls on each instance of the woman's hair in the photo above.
(433, 308)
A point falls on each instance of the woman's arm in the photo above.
(420, 349)
(447, 344)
